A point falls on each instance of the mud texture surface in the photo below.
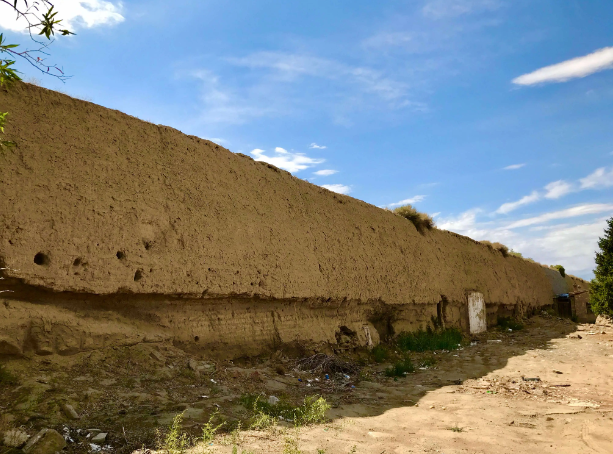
(95, 201)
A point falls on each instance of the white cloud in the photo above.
(514, 167)
(557, 189)
(570, 245)
(511, 206)
(318, 147)
(222, 105)
(600, 178)
(292, 162)
(415, 199)
(339, 188)
(74, 14)
(580, 210)
(570, 69)
(326, 172)
(438, 9)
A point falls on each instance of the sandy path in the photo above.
(494, 409)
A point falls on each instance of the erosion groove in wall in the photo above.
(95, 202)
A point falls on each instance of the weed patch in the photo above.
(7, 378)
(380, 353)
(430, 340)
(421, 221)
(506, 323)
(456, 428)
(400, 369)
(312, 411)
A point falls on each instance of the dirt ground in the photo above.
(478, 399)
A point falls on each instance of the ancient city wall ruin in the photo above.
(116, 230)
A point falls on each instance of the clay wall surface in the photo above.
(96, 202)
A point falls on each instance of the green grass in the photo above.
(7, 378)
(507, 323)
(456, 428)
(176, 441)
(380, 353)
(312, 411)
(400, 369)
(429, 340)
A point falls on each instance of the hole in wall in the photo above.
(138, 275)
(196, 338)
(77, 261)
(42, 259)
(121, 255)
(148, 244)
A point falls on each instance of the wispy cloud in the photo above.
(600, 178)
(414, 199)
(580, 210)
(317, 147)
(388, 39)
(292, 162)
(438, 9)
(506, 208)
(75, 14)
(557, 189)
(514, 167)
(339, 188)
(570, 69)
(223, 105)
(326, 172)
(288, 67)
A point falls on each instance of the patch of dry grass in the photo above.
(496, 247)
(422, 221)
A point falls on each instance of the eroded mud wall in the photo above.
(95, 202)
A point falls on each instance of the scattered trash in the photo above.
(327, 377)
(347, 377)
(273, 400)
(213, 381)
(324, 363)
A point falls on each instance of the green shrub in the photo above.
(430, 340)
(507, 323)
(400, 369)
(380, 353)
(421, 221)
(560, 269)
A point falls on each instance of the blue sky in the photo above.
(496, 116)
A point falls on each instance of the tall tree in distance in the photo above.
(601, 290)
(41, 22)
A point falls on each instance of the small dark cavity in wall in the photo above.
(138, 275)
(121, 255)
(42, 259)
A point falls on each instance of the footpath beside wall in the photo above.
(105, 216)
